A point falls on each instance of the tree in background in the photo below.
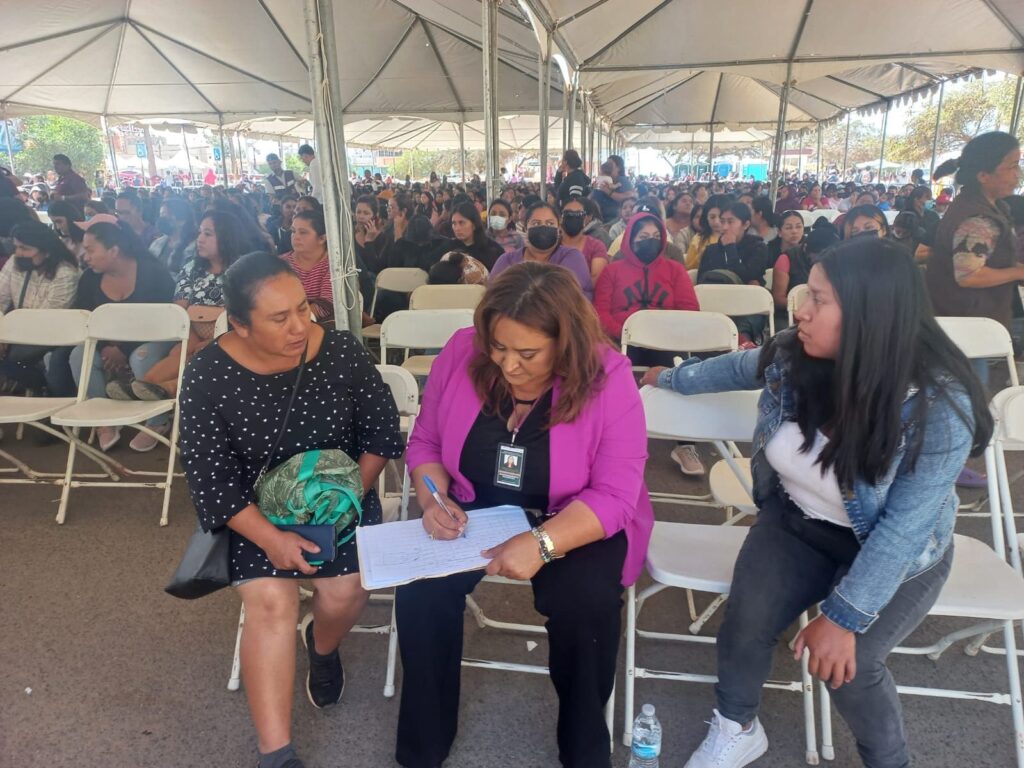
(865, 143)
(44, 136)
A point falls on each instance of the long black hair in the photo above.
(469, 212)
(232, 241)
(72, 212)
(982, 154)
(35, 234)
(889, 343)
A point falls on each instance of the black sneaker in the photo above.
(292, 762)
(325, 680)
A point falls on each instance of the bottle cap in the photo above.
(648, 709)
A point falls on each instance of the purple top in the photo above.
(563, 256)
(597, 459)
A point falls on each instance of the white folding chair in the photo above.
(794, 299)
(680, 331)
(769, 275)
(221, 325)
(406, 394)
(446, 297)
(699, 557)
(982, 585)
(42, 327)
(693, 275)
(738, 300)
(126, 323)
(421, 329)
(398, 280)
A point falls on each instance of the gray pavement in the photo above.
(98, 667)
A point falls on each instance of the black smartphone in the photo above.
(324, 536)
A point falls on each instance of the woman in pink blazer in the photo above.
(534, 408)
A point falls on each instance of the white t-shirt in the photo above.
(314, 179)
(818, 496)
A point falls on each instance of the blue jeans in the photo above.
(787, 564)
(97, 378)
(142, 359)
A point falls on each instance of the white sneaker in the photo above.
(144, 443)
(728, 745)
(688, 460)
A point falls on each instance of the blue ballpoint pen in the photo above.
(437, 497)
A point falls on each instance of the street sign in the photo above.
(216, 154)
(140, 150)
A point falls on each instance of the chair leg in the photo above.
(65, 490)
(828, 750)
(171, 455)
(609, 719)
(708, 612)
(389, 678)
(691, 605)
(627, 726)
(1013, 678)
(810, 734)
(236, 664)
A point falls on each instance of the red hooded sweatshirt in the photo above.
(627, 285)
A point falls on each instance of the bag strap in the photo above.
(24, 288)
(287, 413)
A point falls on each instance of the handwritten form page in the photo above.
(397, 553)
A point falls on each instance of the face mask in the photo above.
(165, 225)
(497, 223)
(543, 238)
(647, 250)
(24, 263)
(572, 223)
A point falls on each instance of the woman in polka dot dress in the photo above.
(233, 401)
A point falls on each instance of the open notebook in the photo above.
(397, 553)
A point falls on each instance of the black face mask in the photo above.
(572, 222)
(542, 238)
(24, 263)
(165, 225)
(647, 250)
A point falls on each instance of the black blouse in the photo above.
(230, 417)
(479, 458)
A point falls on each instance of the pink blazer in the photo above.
(598, 459)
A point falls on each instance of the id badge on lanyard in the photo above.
(511, 462)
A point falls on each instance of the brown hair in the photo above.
(548, 299)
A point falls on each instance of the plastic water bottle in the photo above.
(646, 739)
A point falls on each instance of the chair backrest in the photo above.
(769, 275)
(401, 279)
(422, 328)
(795, 298)
(735, 300)
(981, 338)
(221, 326)
(403, 388)
(719, 416)
(693, 275)
(446, 296)
(139, 322)
(45, 327)
(678, 330)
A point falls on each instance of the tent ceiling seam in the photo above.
(718, 92)
(384, 65)
(580, 14)
(63, 59)
(651, 98)
(551, 28)
(139, 25)
(65, 33)
(280, 30)
(919, 71)
(848, 84)
(442, 65)
(117, 55)
(800, 31)
(173, 66)
(657, 9)
(997, 12)
(453, 33)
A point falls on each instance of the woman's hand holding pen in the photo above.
(438, 524)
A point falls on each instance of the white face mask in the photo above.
(497, 222)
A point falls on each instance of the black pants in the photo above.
(580, 595)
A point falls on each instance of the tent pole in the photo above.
(583, 131)
(223, 152)
(800, 156)
(820, 168)
(780, 133)
(938, 121)
(10, 143)
(1018, 106)
(490, 45)
(711, 152)
(544, 116)
(188, 157)
(846, 148)
(325, 85)
(110, 149)
(462, 149)
(885, 130)
(570, 134)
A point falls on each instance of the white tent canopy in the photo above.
(515, 132)
(725, 139)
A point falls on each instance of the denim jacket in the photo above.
(904, 522)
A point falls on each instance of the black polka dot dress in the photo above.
(230, 417)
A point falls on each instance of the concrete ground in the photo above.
(98, 667)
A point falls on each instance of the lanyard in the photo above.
(519, 424)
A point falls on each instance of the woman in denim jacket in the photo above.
(867, 416)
